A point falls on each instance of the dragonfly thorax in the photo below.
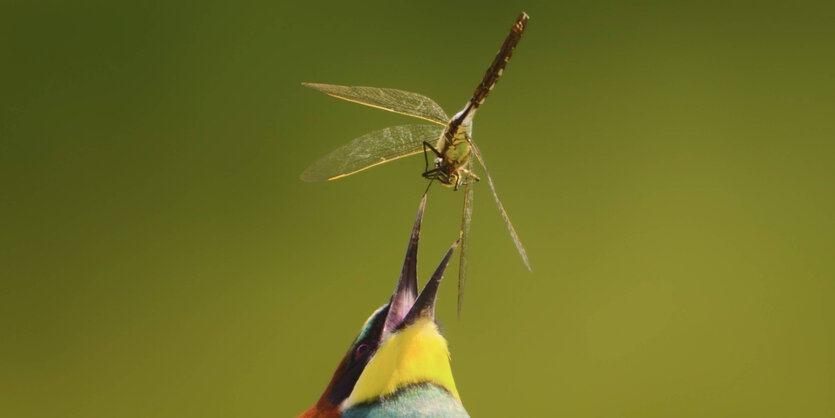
(453, 153)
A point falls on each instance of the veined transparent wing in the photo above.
(393, 100)
(506, 218)
(372, 149)
(466, 221)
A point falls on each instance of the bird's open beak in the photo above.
(424, 306)
(406, 305)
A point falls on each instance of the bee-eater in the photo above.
(398, 365)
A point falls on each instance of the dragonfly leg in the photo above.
(432, 174)
(442, 176)
(428, 147)
(471, 177)
(458, 180)
(435, 173)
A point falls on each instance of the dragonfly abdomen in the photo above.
(491, 76)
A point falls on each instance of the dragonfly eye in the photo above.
(362, 350)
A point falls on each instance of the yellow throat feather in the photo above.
(415, 354)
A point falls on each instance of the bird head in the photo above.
(398, 345)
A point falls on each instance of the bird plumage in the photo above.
(415, 354)
(418, 400)
(350, 367)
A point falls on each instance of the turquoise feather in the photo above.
(415, 401)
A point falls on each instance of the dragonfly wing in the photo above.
(393, 100)
(466, 220)
(510, 227)
(372, 149)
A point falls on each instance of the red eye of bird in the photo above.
(362, 349)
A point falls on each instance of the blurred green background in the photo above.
(668, 165)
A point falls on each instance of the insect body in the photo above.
(449, 140)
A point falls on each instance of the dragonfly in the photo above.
(448, 139)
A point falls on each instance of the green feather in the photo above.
(421, 400)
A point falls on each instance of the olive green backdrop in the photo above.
(669, 167)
